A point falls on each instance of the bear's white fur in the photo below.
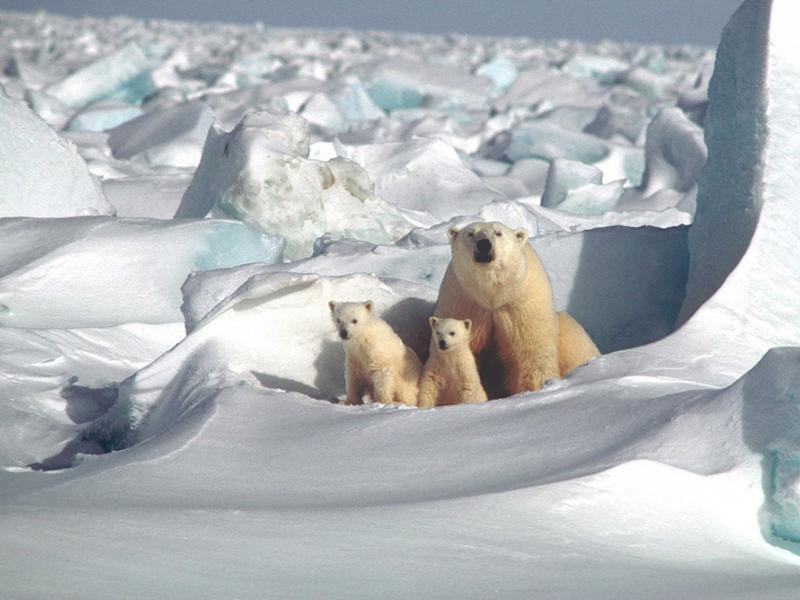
(450, 375)
(496, 280)
(377, 363)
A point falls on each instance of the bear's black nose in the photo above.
(343, 334)
(442, 344)
(484, 246)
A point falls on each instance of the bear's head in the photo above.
(489, 260)
(485, 243)
(450, 333)
(350, 317)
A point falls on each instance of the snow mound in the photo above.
(52, 277)
(221, 349)
(29, 150)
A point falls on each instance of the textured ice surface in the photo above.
(123, 74)
(42, 174)
(259, 173)
(99, 272)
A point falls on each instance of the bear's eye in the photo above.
(452, 333)
(498, 233)
(470, 234)
(355, 321)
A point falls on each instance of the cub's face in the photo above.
(350, 317)
(450, 333)
(486, 244)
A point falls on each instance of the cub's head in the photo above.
(350, 317)
(449, 333)
(485, 244)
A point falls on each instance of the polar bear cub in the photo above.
(450, 375)
(377, 363)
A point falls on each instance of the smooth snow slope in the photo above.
(203, 458)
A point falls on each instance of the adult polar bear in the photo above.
(496, 280)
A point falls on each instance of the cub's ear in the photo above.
(452, 233)
(521, 235)
(433, 321)
(368, 305)
(467, 324)
(332, 305)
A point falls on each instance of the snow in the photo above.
(169, 376)
(101, 272)
(29, 150)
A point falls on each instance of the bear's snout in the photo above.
(442, 345)
(343, 334)
(483, 250)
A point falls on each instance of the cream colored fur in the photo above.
(450, 375)
(377, 363)
(515, 327)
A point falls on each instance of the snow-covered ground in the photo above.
(178, 203)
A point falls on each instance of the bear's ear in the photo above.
(368, 305)
(467, 324)
(332, 305)
(452, 233)
(433, 321)
(521, 235)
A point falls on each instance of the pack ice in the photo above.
(169, 375)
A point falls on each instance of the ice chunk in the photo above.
(501, 70)
(605, 69)
(551, 88)
(260, 173)
(614, 120)
(648, 83)
(48, 108)
(173, 136)
(565, 175)
(353, 101)
(570, 118)
(395, 84)
(322, 111)
(577, 187)
(532, 172)
(784, 494)
(100, 272)
(424, 175)
(42, 174)
(102, 115)
(123, 74)
(539, 140)
(675, 152)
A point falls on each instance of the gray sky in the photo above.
(653, 21)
